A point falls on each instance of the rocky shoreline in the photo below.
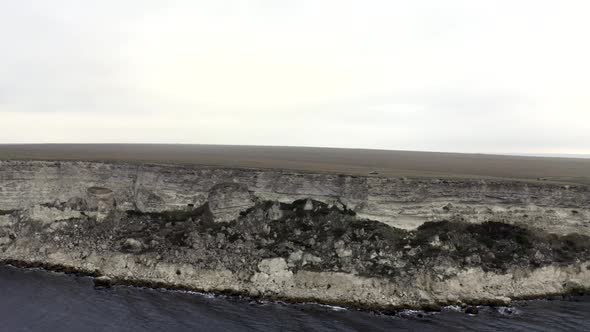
(366, 242)
(470, 307)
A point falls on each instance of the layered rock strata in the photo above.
(366, 241)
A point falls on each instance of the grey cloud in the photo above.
(70, 58)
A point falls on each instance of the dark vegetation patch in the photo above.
(567, 248)
(336, 237)
(491, 245)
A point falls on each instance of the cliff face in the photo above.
(367, 241)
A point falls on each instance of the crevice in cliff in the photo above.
(6, 212)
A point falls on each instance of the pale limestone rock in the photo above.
(5, 240)
(6, 221)
(57, 225)
(132, 245)
(274, 276)
(100, 199)
(404, 203)
(275, 213)
(227, 200)
(295, 257)
(148, 201)
(341, 252)
(435, 241)
(273, 266)
(47, 215)
(309, 258)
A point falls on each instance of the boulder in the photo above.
(227, 200)
(5, 240)
(47, 215)
(77, 204)
(100, 199)
(308, 205)
(132, 245)
(103, 282)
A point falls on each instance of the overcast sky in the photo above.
(467, 76)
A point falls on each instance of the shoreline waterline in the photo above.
(393, 310)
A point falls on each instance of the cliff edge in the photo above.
(368, 241)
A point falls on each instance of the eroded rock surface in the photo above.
(227, 200)
(369, 242)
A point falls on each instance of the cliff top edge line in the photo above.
(320, 160)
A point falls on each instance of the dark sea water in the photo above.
(35, 300)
